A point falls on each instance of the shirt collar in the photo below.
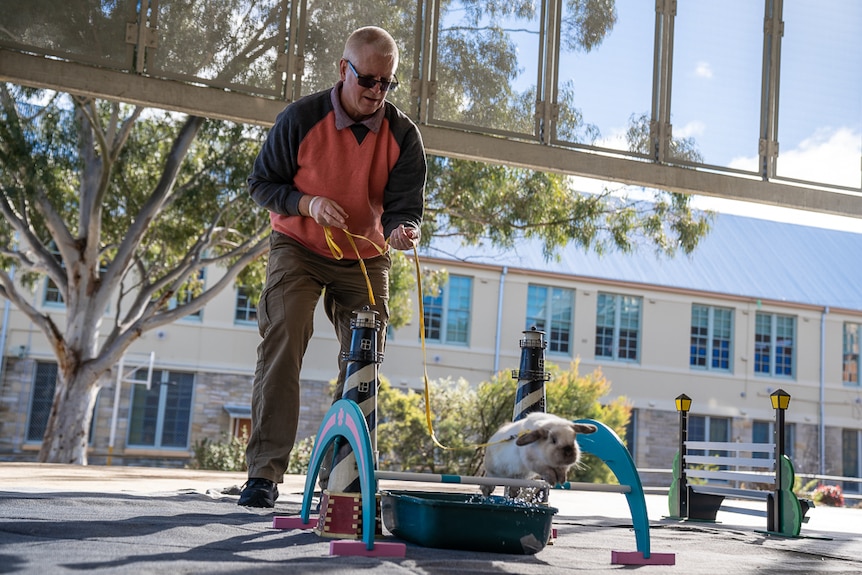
(342, 120)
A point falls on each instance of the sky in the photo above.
(717, 68)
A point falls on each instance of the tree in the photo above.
(122, 212)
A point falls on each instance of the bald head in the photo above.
(374, 39)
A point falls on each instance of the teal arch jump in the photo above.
(607, 446)
(345, 419)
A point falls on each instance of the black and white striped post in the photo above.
(360, 386)
(532, 376)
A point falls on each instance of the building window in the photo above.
(246, 311)
(447, 315)
(711, 337)
(41, 400)
(187, 292)
(551, 310)
(851, 457)
(774, 344)
(706, 428)
(763, 432)
(160, 415)
(850, 367)
(53, 296)
(618, 326)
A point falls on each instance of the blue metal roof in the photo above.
(740, 256)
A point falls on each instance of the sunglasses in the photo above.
(369, 82)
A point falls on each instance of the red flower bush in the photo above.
(830, 495)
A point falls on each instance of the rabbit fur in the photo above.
(541, 444)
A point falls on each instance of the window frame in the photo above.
(138, 415)
(552, 321)
(242, 292)
(850, 354)
(851, 458)
(619, 303)
(773, 349)
(447, 309)
(42, 391)
(769, 425)
(710, 351)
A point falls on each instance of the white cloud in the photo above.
(703, 70)
(829, 156)
(690, 130)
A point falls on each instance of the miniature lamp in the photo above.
(780, 399)
(683, 402)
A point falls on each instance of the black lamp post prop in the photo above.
(780, 402)
(683, 405)
(360, 386)
(532, 376)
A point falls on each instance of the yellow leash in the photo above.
(338, 255)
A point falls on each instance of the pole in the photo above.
(778, 400)
(360, 386)
(683, 482)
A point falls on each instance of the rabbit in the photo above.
(541, 444)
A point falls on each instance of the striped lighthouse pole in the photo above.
(360, 386)
(531, 376)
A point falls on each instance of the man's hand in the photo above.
(327, 212)
(404, 237)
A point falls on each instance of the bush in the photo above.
(830, 495)
(229, 455)
(465, 417)
(225, 455)
(300, 456)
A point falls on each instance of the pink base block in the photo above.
(637, 558)
(359, 549)
(293, 522)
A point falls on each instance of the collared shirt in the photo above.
(343, 120)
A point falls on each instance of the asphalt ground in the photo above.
(70, 519)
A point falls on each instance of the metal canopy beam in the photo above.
(215, 103)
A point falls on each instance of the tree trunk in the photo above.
(65, 439)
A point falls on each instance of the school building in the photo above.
(758, 306)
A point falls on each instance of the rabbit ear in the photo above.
(531, 436)
(584, 428)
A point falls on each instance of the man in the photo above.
(345, 160)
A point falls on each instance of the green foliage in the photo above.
(225, 455)
(574, 396)
(464, 417)
(300, 456)
(228, 454)
(481, 202)
(122, 210)
(404, 442)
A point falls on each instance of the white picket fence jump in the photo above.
(758, 470)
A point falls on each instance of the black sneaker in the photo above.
(258, 492)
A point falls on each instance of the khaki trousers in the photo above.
(295, 280)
